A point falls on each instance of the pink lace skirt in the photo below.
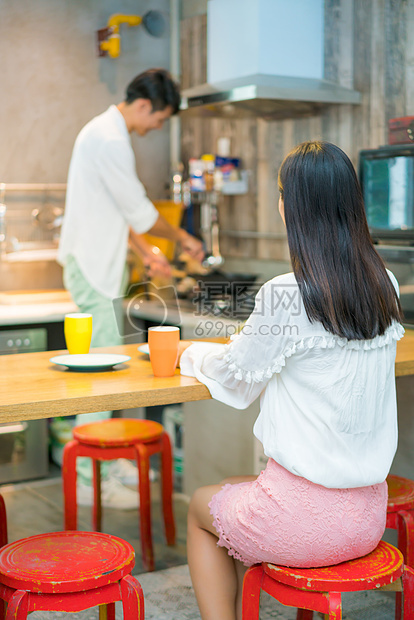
(284, 519)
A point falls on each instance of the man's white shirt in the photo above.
(104, 198)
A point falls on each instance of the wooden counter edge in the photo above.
(86, 404)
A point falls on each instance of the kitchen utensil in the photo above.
(227, 279)
(224, 293)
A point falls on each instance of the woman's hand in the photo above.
(183, 345)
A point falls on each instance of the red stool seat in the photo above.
(69, 571)
(400, 514)
(381, 567)
(65, 561)
(400, 494)
(121, 438)
(118, 432)
(320, 589)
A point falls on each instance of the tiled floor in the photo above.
(37, 507)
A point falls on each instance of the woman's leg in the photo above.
(213, 571)
(240, 571)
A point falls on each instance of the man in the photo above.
(107, 207)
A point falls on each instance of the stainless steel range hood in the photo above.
(265, 58)
(265, 96)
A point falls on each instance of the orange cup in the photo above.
(163, 349)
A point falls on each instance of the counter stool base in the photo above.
(122, 438)
(69, 571)
(319, 589)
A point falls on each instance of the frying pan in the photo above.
(244, 281)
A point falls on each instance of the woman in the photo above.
(319, 349)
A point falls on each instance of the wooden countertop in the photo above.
(404, 362)
(31, 387)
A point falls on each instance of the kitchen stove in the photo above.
(228, 301)
(221, 294)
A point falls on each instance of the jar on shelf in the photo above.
(208, 171)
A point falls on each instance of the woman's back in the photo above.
(328, 413)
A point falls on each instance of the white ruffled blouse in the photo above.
(328, 407)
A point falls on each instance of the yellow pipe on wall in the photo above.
(113, 44)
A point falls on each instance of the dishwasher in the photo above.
(23, 445)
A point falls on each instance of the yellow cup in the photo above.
(78, 332)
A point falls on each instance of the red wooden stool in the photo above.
(3, 524)
(121, 438)
(69, 571)
(401, 503)
(320, 589)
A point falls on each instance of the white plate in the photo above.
(90, 362)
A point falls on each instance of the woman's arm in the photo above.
(237, 373)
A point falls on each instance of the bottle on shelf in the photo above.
(208, 172)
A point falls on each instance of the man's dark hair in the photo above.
(156, 85)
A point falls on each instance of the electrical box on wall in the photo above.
(401, 130)
(269, 37)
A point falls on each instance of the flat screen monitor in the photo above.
(386, 175)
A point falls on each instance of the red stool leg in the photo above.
(97, 502)
(251, 592)
(18, 606)
(2, 609)
(405, 529)
(132, 598)
(3, 523)
(167, 489)
(335, 606)
(304, 614)
(145, 507)
(408, 593)
(70, 452)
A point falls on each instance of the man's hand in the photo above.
(191, 245)
(157, 264)
(152, 257)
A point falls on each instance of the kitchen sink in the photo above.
(28, 256)
(29, 272)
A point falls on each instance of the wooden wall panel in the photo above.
(377, 81)
(409, 58)
(368, 46)
(362, 75)
(395, 17)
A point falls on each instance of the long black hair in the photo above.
(342, 279)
